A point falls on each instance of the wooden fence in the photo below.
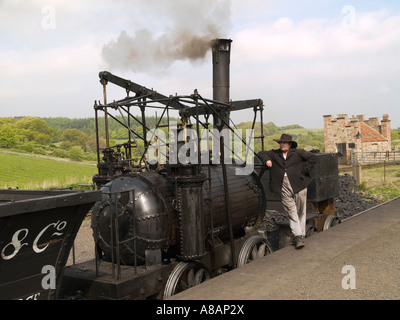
(375, 157)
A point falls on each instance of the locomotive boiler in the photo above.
(181, 212)
(191, 208)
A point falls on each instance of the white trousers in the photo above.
(295, 206)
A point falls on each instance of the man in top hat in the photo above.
(289, 176)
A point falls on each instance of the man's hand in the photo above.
(269, 163)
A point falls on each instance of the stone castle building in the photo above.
(356, 134)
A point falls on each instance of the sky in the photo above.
(303, 58)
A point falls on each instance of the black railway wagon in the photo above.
(37, 231)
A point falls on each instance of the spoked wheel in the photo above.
(184, 276)
(255, 247)
(330, 222)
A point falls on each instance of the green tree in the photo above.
(7, 136)
(75, 137)
(7, 121)
(270, 128)
(76, 153)
(30, 129)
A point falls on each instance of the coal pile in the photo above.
(271, 217)
(350, 200)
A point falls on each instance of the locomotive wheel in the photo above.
(255, 247)
(185, 275)
(331, 221)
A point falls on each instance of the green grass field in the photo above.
(32, 172)
(383, 182)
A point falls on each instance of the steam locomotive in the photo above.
(174, 211)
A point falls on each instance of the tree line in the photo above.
(35, 135)
(63, 137)
(76, 138)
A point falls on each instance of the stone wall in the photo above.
(345, 135)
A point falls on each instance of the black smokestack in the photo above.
(221, 57)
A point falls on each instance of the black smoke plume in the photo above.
(193, 25)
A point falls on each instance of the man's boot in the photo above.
(299, 242)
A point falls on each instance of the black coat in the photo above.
(297, 165)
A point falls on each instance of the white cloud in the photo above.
(314, 67)
(313, 38)
(309, 65)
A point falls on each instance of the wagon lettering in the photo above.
(15, 244)
(39, 244)
(57, 225)
(34, 296)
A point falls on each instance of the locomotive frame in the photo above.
(194, 250)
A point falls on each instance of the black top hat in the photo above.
(287, 138)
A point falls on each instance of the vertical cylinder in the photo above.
(188, 182)
(191, 219)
